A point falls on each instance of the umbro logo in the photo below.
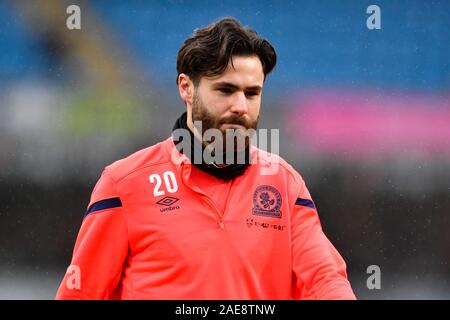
(167, 201)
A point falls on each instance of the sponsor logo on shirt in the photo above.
(266, 225)
(267, 202)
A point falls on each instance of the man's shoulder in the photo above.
(269, 160)
(150, 156)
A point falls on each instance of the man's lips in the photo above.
(233, 126)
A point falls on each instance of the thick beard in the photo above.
(201, 113)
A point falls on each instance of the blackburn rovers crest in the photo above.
(267, 202)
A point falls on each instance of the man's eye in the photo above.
(225, 90)
(251, 93)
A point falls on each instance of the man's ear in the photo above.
(186, 88)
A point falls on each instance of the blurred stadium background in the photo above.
(364, 115)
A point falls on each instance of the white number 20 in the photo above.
(169, 181)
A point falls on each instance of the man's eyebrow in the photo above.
(235, 87)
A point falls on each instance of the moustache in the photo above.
(236, 121)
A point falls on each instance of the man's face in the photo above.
(232, 100)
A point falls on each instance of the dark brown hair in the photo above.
(209, 50)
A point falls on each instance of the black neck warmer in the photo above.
(224, 172)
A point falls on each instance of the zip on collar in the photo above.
(184, 169)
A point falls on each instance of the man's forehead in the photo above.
(241, 71)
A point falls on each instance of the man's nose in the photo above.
(239, 104)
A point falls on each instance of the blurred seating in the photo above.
(319, 43)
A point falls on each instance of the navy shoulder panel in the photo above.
(305, 202)
(103, 205)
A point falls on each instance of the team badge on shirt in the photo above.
(267, 202)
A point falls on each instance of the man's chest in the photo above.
(171, 220)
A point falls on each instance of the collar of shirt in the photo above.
(226, 172)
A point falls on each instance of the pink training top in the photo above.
(162, 229)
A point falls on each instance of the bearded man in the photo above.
(205, 214)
